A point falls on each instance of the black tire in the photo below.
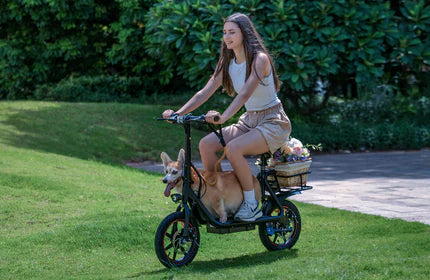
(172, 248)
(282, 234)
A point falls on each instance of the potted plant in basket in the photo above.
(292, 162)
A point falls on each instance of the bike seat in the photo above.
(263, 158)
(266, 155)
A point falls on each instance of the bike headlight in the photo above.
(176, 197)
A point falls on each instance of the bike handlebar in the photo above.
(187, 118)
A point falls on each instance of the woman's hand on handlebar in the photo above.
(167, 113)
(214, 117)
(211, 117)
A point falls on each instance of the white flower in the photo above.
(293, 143)
(305, 152)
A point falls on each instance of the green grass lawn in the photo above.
(70, 210)
(110, 133)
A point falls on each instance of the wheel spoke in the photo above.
(174, 229)
(168, 247)
(283, 237)
(286, 230)
(276, 237)
(174, 253)
(183, 250)
(175, 237)
(172, 248)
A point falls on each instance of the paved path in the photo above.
(390, 184)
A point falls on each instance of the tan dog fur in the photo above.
(222, 199)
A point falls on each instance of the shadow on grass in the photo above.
(245, 260)
(208, 266)
(111, 132)
(106, 132)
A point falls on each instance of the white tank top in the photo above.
(264, 95)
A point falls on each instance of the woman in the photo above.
(244, 67)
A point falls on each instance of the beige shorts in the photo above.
(273, 124)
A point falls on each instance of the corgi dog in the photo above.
(221, 192)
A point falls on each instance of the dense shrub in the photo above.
(127, 54)
(379, 121)
(409, 53)
(379, 108)
(360, 136)
(45, 41)
(95, 89)
(322, 48)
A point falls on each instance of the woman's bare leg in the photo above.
(250, 143)
(209, 146)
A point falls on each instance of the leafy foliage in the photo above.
(379, 121)
(95, 89)
(321, 48)
(46, 40)
(127, 54)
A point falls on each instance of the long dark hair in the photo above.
(252, 43)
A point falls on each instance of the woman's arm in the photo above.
(202, 96)
(262, 68)
(199, 98)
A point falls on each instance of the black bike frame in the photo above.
(187, 192)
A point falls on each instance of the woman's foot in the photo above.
(248, 212)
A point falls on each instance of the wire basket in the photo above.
(292, 174)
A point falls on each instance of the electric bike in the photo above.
(177, 239)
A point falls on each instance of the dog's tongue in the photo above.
(168, 189)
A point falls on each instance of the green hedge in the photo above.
(45, 41)
(378, 122)
(344, 46)
(363, 136)
(322, 48)
(96, 89)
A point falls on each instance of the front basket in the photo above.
(292, 174)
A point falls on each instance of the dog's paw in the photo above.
(223, 219)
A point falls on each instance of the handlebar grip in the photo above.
(216, 118)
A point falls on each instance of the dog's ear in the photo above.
(165, 158)
(181, 156)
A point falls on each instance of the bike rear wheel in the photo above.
(173, 249)
(282, 234)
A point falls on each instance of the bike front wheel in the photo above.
(173, 247)
(281, 234)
